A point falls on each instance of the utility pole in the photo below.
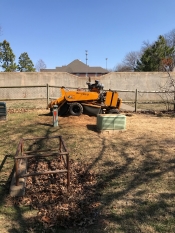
(86, 56)
(106, 62)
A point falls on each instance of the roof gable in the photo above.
(77, 66)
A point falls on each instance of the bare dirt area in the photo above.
(120, 182)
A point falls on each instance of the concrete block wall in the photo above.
(143, 81)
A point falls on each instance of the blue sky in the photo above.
(59, 31)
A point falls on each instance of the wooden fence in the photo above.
(48, 97)
(136, 101)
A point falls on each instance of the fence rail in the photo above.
(48, 92)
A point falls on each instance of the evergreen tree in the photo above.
(25, 64)
(152, 58)
(7, 57)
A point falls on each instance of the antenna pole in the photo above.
(86, 56)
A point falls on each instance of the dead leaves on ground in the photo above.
(78, 207)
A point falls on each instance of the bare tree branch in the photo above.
(170, 40)
(40, 65)
(122, 68)
(169, 89)
(130, 60)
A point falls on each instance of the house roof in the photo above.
(77, 66)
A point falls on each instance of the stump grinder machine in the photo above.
(92, 101)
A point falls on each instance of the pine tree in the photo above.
(25, 64)
(151, 60)
(7, 57)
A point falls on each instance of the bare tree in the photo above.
(130, 60)
(170, 39)
(145, 46)
(122, 68)
(169, 86)
(40, 65)
(110, 70)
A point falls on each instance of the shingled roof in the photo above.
(77, 66)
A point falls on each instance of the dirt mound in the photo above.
(78, 120)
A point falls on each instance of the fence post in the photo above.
(47, 86)
(136, 93)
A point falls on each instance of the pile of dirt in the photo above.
(76, 207)
(80, 120)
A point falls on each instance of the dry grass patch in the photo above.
(135, 171)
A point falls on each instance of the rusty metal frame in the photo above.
(25, 155)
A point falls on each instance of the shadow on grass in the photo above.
(92, 128)
(45, 114)
(45, 124)
(4, 161)
(129, 193)
(138, 210)
(5, 184)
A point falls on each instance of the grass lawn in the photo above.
(133, 186)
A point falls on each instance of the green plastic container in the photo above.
(111, 122)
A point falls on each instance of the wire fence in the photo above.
(40, 96)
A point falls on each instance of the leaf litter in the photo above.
(55, 205)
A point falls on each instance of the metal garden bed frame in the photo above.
(22, 156)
